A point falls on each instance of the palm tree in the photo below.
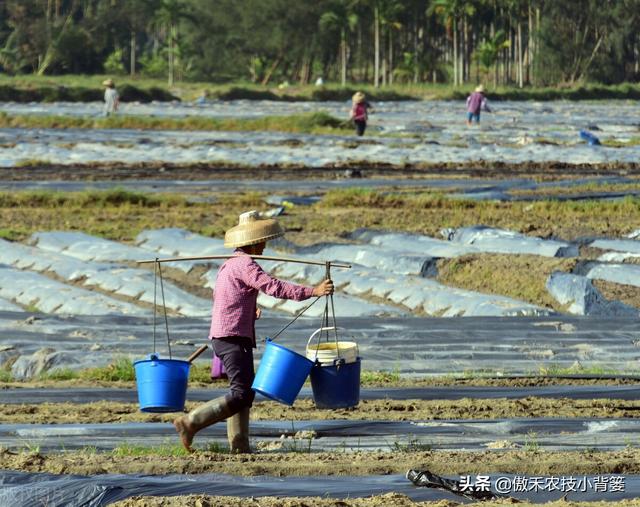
(389, 18)
(170, 13)
(488, 51)
(450, 11)
(340, 18)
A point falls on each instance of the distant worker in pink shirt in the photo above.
(234, 313)
(476, 102)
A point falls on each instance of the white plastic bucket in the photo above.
(328, 352)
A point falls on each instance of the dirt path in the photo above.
(377, 410)
(202, 171)
(388, 500)
(282, 464)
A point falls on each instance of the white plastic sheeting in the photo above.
(583, 298)
(415, 293)
(8, 306)
(618, 257)
(489, 239)
(49, 296)
(130, 282)
(619, 245)
(395, 292)
(626, 274)
(373, 256)
(414, 243)
(515, 132)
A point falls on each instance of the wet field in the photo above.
(400, 134)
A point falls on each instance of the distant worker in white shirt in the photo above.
(111, 97)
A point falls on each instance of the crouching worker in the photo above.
(233, 318)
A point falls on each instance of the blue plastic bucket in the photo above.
(337, 385)
(281, 373)
(162, 384)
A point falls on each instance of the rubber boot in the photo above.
(205, 415)
(238, 432)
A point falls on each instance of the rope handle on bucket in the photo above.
(157, 273)
(295, 318)
(329, 299)
(325, 317)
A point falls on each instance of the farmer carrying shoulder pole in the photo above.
(233, 318)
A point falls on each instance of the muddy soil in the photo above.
(388, 500)
(202, 171)
(375, 410)
(283, 464)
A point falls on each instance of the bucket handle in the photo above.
(327, 328)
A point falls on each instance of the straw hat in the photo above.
(480, 89)
(252, 230)
(358, 97)
(108, 82)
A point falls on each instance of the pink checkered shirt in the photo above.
(234, 299)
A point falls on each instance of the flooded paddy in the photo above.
(402, 133)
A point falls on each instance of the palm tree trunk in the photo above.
(170, 56)
(132, 59)
(390, 57)
(343, 57)
(520, 63)
(416, 57)
(537, 44)
(463, 55)
(530, 45)
(271, 70)
(376, 63)
(455, 53)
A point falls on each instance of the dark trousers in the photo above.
(236, 354)
(361, 125)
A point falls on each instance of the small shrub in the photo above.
(113, 64)
(5, 375)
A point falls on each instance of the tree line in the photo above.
(499, 42)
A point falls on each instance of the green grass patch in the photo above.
(89, 198)
(200, 373)
(620, 143)
(120, 370)
(518, 276)
(169, 450)
(59, 374)
(366, 197)
(5, 375)
(29, 87)
(412, 445)
(48, 93)
(591, 187)
(555, 370)
(309, 123)
(368, 377)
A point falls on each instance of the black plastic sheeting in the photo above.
(20, 489)
(413, 346)
(575, 392)
(329, 435)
